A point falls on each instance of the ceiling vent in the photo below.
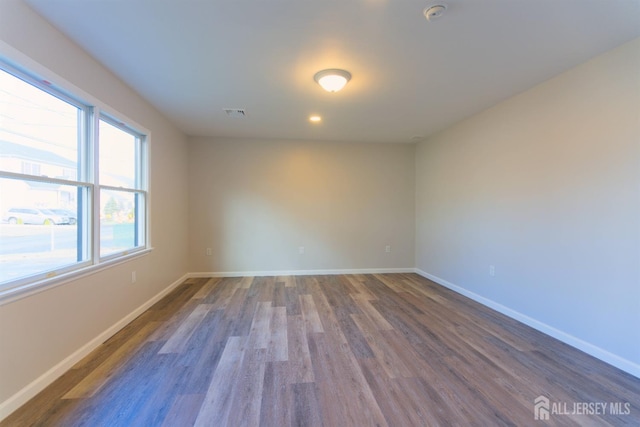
(235, 113)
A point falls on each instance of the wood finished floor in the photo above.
(358, 350)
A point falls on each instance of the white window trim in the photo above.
(18, 292)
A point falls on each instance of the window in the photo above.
(72, 182)
(29, 168)
(122, 195)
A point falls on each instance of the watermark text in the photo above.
(543, 408)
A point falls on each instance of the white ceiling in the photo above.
(192, 58)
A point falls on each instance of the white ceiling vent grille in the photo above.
(235, 113)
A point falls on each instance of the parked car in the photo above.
(33, 216)
(73, 217)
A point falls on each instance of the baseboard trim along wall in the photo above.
(595, 351)
(300, 272)
(39, 384)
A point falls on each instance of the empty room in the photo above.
(329, 213)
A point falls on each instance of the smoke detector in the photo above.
(434, 12)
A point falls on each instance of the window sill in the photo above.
(19, 292)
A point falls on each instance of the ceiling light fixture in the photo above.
(332, 80)
(315, 118)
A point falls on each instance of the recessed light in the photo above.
(315, 118)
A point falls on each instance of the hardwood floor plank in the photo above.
(439, 384)
(266, 287)
(288, 281)
(393, 298)
(497, 398)
(122, 399)
(422, 403)
(236, 303)
(335, 309)
(372, 314)
(331, 325)
(278, 345)
(384, 353)
(244, 319)
(310, 314)
(332, 396)
(276, 403)
(205, 344)
(424, 341)
(352, 400)
(247, 395)
(179, 339)
(177, 298)
(336, 292)
(305, 406)
(168, 327)
(361, 288)
(342, 326)
(292, 298)
(219, 397)
(90, 384)
(279, 296)
(299, 356)
(184, 410)
(398, 407)
(224, 291)
(259, 334)
(157, 396)
(246, 282)
(198, 377)
(392, 284)
(206, 288)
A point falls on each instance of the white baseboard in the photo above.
(39, 384)
(595, 351)
(300, 272)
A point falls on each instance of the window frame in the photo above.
(92, 111)
(140, 186)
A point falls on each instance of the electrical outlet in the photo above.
(387, 248)
(209, 253)
(301, 250)
(492, 270)
(133, 277)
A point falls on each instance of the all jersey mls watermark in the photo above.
(543, 408)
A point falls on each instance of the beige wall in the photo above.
(256, 202)
(545, 187)
(40, 331)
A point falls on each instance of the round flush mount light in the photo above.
(332, 80)
(434, 12)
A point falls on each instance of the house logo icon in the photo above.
(541, 408)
